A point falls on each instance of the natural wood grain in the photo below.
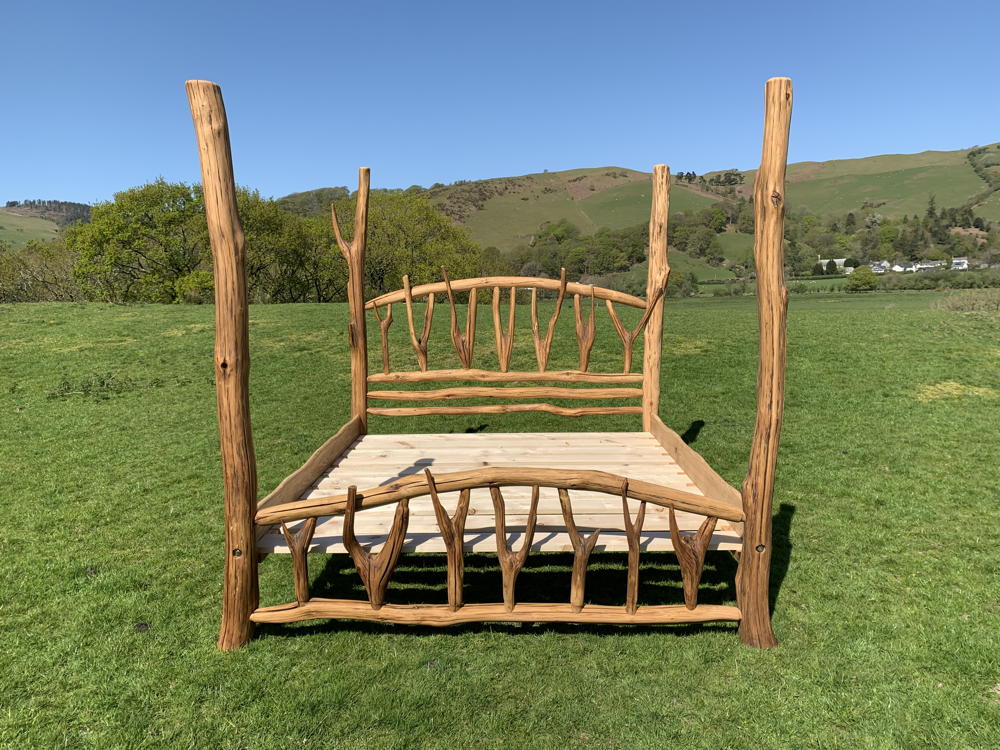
(375, 569)
(581, 552)
(553, 376)
(439, 615)
(464, 343)
(543, 345)
(562, 411)
(657, 275)
(628, 337)
(513, 392)
(292, 486)
(586, 331)
(753, 573)
(690, 551)
(298, 546)
(519, 282)
(383, 329)
(504, 339)
(354, 254)
(232, 362)
(512, 562)
(419, 342)
(586, 480)
(696, 467)
(453, 534)
(632, 531)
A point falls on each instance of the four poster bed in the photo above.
(503, 493)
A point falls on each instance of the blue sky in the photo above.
(423, 92)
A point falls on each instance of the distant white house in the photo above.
(905, 268)
(929, 265)
(848, 270)
(879, 268)
(959, 264)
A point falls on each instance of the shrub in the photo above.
(862, 280)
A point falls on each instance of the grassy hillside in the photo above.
(506, 212)
(18, 230)
(897, 184)
(885, 583)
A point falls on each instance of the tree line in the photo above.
(150, 244)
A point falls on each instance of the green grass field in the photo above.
(886, 588)
(19, 230)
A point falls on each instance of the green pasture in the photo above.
(19, 230)
(886, 589)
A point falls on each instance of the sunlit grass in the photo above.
(887, 598)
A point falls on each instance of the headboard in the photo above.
(494, 369)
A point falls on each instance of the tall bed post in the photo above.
(657, 271)
(232, 363)
(354, 254)
(753, 575)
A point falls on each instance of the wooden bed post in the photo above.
(354, 254)
(753, 575)
(657, 271)
(232, 363)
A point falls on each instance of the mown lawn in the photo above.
(887, 580)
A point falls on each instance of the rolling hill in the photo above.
(507, 211)
(19, 230)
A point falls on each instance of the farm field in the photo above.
(886, 592)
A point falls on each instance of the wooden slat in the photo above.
(555, 376)
(509, 392)
(596, 481)
(442, 614)
(305, 476)
(519, 282)
(696, 467)
(562, 411)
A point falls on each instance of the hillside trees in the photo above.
(150, 244)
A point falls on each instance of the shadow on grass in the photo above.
(421, 579)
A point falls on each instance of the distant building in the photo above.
(878, 268)
(959, 264)
(929, 265)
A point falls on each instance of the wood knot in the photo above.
(776, 198)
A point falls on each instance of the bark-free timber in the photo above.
(691, 555)
(441, 615)
(512, 562)
(232, 362)
(586, 331)
(673, 476)
(453, 533)
(543, 345)
(375, 569)
(754, 572)
(657, 275)
(633, 529)
(298, 545)
(518, 282)
(581, 552)
(354, 254)
(584, 480)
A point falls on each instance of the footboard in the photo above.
(375, 569)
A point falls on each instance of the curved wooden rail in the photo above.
(518, 282)
(568, 479)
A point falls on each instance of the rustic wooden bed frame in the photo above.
(317, 507)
